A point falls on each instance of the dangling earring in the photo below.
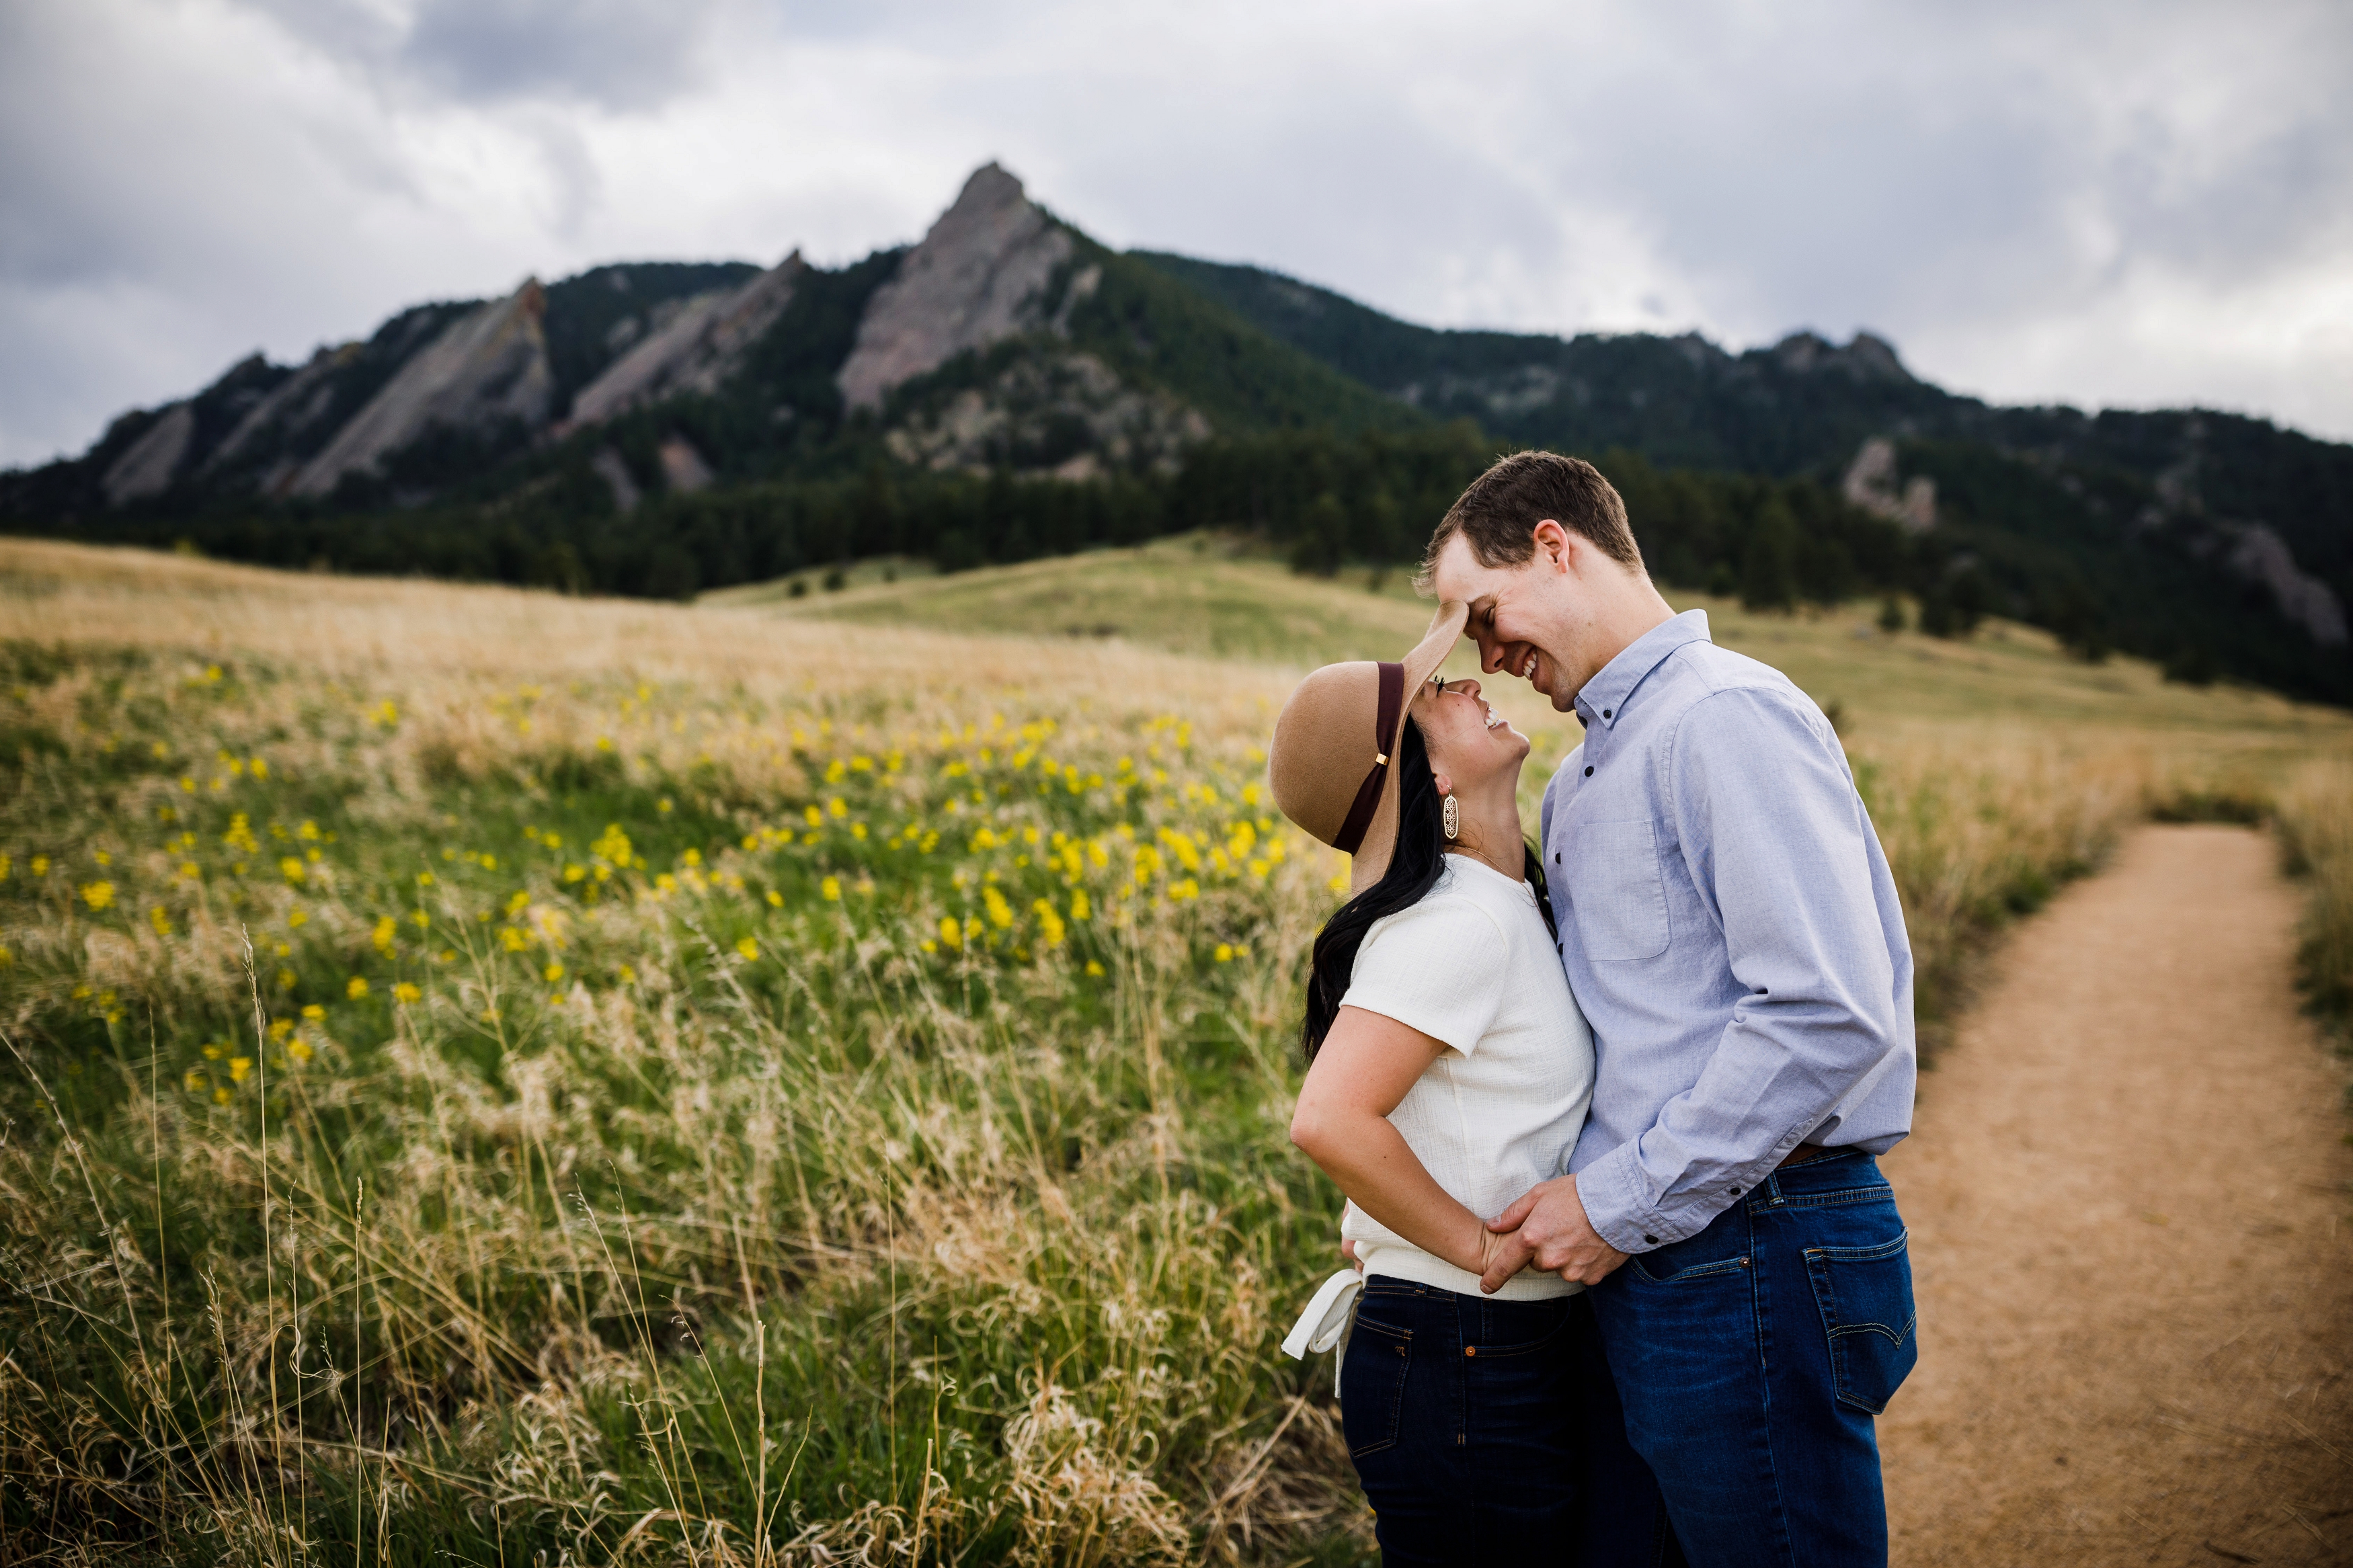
(1451, 819)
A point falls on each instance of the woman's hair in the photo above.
(1413, 870)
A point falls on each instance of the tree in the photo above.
(1768, 569)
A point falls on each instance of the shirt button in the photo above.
(1555, 857)
(1588, 769)
(1735, 1192)
(1651, 1239)
(1605, 712)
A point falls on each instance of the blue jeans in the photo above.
(1486, 1430)
(1751, 1359)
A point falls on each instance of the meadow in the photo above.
(502, 1078)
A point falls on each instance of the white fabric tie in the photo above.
(1324, 1325)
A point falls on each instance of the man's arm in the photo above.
(1776, 841)
(1773, 835)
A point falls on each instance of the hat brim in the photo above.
(1371, 860)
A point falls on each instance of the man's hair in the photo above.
(1500, 510)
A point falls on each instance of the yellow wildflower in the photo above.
(385, 928)
(297, 920)
(357, 988)
(554, 972)
(1050, 925)
(832, 888)
(159, 921)
(239, 1068)
(41, 865)
(314, 1013)
(291, 869)
(1094, 969)
(951, 934)
(776, 899)
(1225, 952)
(98, 895)
(748, 948)
(1000, 913)
(837, 807)
(405, 993)
(299, 1049)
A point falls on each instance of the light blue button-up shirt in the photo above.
(1731, 930)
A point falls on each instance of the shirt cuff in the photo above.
(1613, 1205)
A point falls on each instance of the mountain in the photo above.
(2180, 533)
(1008, 387)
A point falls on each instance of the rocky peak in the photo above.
(1866, 357)
(978, 277)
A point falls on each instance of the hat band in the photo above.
(1368, 793)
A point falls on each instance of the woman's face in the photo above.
(1468, 742)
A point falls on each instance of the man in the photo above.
(1730, 928)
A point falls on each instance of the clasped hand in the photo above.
(1548, 1228)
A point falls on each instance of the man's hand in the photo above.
(1550, 1220)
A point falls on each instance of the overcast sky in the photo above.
(2135, 203)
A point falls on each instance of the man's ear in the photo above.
(1553, 544)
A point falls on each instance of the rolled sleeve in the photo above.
(1777, 843)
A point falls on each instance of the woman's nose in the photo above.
(1470, 687)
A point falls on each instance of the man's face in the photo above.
(1523, 616)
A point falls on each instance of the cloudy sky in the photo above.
(2137, 204)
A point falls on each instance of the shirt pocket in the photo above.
(1619, 897)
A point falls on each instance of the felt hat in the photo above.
(1329, 764)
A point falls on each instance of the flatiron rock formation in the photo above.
(978, 277)
(696, 350)
(488, 368)
(152, 462)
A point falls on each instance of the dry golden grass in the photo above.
(877, 1157)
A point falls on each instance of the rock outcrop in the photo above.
(980, 277)
(1067, 413)
(153, 461)
(488, 368)
(697, 350)
(1869, 483)
(2261, 556)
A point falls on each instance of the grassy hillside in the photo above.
(1207, 597)
(495, 1075)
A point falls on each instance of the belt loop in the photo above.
(1773, 1188)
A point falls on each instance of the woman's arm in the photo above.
(1366, 1064)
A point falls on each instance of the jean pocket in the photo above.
(1620, 900)
(1719, 1252)
(1372, 1384)
(1865, 1297)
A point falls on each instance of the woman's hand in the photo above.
(1499, 1258)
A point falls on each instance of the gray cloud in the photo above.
(2100, 202)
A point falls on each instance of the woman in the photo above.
(1449, 1072)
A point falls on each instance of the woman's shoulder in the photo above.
(1451, 909)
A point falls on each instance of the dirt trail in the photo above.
(2132, 1240)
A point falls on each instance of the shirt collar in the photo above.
(1602, 699)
